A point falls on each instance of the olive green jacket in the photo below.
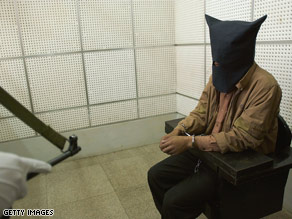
(251, 119)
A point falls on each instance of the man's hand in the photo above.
(13, 172)
(175, 132)
(172, 145)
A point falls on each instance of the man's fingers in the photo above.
(167, 149)
(164, 144)
(162, 141)
(36, 166)
(172, 151)
(165, 137)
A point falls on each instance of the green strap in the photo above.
(31, 120)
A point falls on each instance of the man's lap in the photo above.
(177, 175)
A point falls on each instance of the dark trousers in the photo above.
(179, 192)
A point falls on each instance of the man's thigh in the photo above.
(174, 168)
(194, 190)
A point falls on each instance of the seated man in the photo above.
(237, 111)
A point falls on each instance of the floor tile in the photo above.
(154, 157)
(125, 173)
(105, 158)
(202, 216)
(154, 154)
(138, 203)
(109, 186)
(75, 164)
(36, 194)
(151, 148)
(36, 197)
(281, 214)
(106, 206)
(82, 183)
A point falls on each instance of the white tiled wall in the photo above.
(106, 24)
(185, 105)
(278, 25)
(110, 75)
(154, 22)
(67, 119)
(48, 26)
(78, 63)
(190, 70)
(189, 21)
(157, 105)
(56, 82)
(277, 59)
(156, 71)
(13, 128)
(13, 80)
(113, 112)
(10, 43)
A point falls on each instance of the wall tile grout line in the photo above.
(25, 58)
(114, 190)
(144, 47)
(92, 126)
(77, 2)
(252, 10)
(91, 105)
(23, 55)
(184, 95)
(84, 51)
(135, 58)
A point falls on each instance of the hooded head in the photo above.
(233, 48)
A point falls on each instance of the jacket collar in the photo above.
(246, 78)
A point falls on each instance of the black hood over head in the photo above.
(233, 47)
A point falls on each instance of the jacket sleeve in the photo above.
(250, 129)
(196, 122)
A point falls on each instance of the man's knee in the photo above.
(153, 173)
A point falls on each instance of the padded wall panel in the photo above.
(106, 24)
(49, 26)
(13, 128)
(190, 70)
(156, 71)
(64, 120)
(154, 22)
(185, 105)
(209, 62)
(110, 76)
(228, 10)
(113, 112)
(277, 59)
(278, 25)
(13, 80)
(56, 82)
(153, 106)
(10, 44)
(189, 21)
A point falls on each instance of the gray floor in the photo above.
(110, 186)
